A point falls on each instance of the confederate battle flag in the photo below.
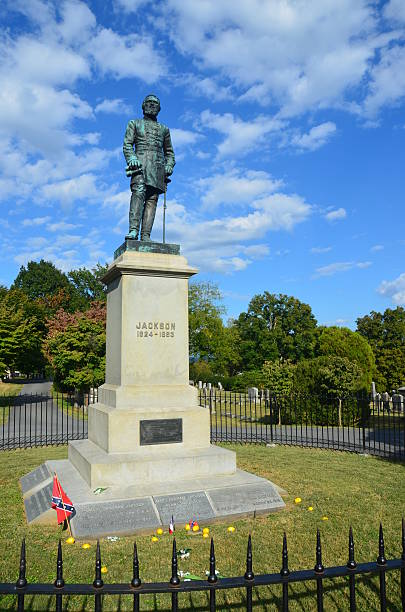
(60, 501)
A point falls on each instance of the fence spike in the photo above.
(249, 575)
(174, 580)
(136, 581)
(59, 582)
(98, 581)
(381, 560)
(22, 581)
(319, 568)
(284, 568)
(212, 577)
(351, 564)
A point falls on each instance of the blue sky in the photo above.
(287, 120)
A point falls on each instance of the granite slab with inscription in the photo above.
(115, 518)
(38, 503)
(124, 510)
(33, 479)
(184, 507)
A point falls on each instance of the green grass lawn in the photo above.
(349, 489)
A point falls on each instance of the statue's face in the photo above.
(151, 106)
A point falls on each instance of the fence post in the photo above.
(212, 577)
(174, 580)
(22, 581)
(59, 582)
(319, 570)
(351, 564)
(382, 561)
(136, 581)
(98, 582)
(249, 575)
(285, 572)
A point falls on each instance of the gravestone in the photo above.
(373, 390)
(200, 385)
(253, 393)
(220, 387)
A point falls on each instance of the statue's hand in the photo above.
(134, 162)
(168, 171)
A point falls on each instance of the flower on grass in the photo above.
(231, 529)
(155, 539)
(85, 546)
(104, 570)
(310, 508)
(70, 540)
(325, 518)
(159, 531)
(297, 500)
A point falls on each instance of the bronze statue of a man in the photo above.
(150, 160)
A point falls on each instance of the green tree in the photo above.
(328, 375)
(275, 326)
(385, 333)
(205, 322)
(22, 328)
(278, 377)
(88, 285)
(343, 342)
(41, 280)
(75, 347)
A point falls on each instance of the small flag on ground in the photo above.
(192, 523)
(60, 501)
(172, 528)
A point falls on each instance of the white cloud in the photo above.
(336, 215)
(182, 138)
(36, 221)
(299, 55)
(240, 136)
(236, 187)
(78, 188)
(61, 226)
(377, 247)
(115, 106)
(317, 250)
(394, 289)
(341, 266)
(125, 56)
(395, 10)
(316, 137)
(130, 6)
(387, 81)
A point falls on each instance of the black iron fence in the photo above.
(358, 423)
(136, 589)
(42, 419)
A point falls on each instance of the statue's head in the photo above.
(151, 105)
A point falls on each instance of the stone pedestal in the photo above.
(148, 421)
(149, 440)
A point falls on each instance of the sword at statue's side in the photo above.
(167, 180)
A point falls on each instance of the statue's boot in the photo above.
(136, 207)
(148, 218)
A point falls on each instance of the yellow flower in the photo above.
(206, 530)
(231, 529)
(104, 570)
(155, 539)
(196, 527)
(70, 540)
(159, 531)
(325, 518)
(206, 535)
(187, 527)
(310, 508)
(298, 500)
(85, 546)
